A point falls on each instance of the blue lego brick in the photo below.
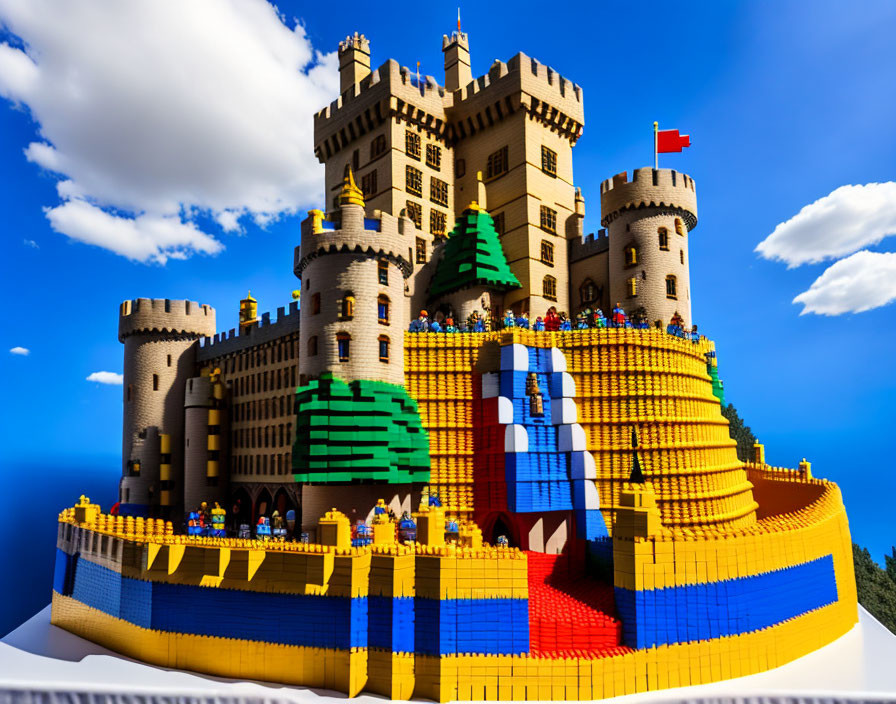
(590, 524)
(136, 602)
(97, 587)
(390, 624)
(64, 572)
(655, 617)
(478, 626)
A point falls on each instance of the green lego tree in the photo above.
(876, 590)
(473, 256)
(739, 432)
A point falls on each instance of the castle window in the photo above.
(460, 168)
(378, 146)
(434, 156)
(130, 391)
(415, 212)
(438, 191)
(549, 161)
(633, 286)
(356, 159)
(347, 311)
(382, 309)
(548, 219)
(681, 255)
(421, 251)
(547, 253)
(497, 163)
(587, 291)
(312, 346)
(664, 238)
(679, 227)
(384, 348)
(343, 339)
(631, 255)
(169, 360)
(413, 180)
(412, 144)
(438, 221)
(549, 288)
(671, 287)
(499, 223)
(382, 271)
(368, 183)
(155, 382)
(315, 303)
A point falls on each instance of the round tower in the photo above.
(648, 220)
(354, 312)
(160, 338)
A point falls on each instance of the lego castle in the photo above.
(575, 520)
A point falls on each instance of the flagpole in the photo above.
(656, 158)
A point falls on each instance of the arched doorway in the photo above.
(501, 523)
(263, 505)
(240, 511)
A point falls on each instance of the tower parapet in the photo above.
(648, 220)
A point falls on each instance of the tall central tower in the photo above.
(417, 148)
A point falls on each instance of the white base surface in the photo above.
(40, 663)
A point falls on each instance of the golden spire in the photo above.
(248, 311)
(351, 194)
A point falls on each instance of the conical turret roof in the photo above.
(473, 256)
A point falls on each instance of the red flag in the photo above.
(671, 141)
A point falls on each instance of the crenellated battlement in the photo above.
(384, 236)
(588, 246)
(649, 188)
(165, 316)
(237, 339)
(357, 41)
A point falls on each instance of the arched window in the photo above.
(384, 348)
(382, 309)
(547, 253)
(679, 226)
(312, 346)
(633, 286)
(549, 288)
(348, 306)
(631, 255)
(664, 238)
(588, 291)
(671, 287)
(343, 341)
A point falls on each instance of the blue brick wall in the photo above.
(653, 617)
(484, 626)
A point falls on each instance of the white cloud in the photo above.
(153, 113)
(21, 351)
(858, 283)
(31, 243)
(846, 220)
(110, 378)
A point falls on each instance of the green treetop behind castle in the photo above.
(473, 256)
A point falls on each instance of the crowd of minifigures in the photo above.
(213, 523)
(552, 321)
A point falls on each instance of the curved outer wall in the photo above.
(633, 213)
(159, 337)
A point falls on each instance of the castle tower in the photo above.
(458, 72)
(160, 338)
(204, 440)
(354, 61)
(354, 312)
(649, 220)
(248, 311)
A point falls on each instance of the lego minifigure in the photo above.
(551, 320)
(449, 325)
(619, 318)
(600, 320)
(538, 325)
(263, 528)
(509, 320)
(536, 402)
(522, 321)
(421, 324)
(581, 322)
(565, 322)
(407, 529)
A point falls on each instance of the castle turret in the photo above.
(160, 338)
(354, 61)
(456, 48)
(649, 219)
(248, 311)
(204, 450)
(354, 313)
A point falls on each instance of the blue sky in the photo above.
(208, 144)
